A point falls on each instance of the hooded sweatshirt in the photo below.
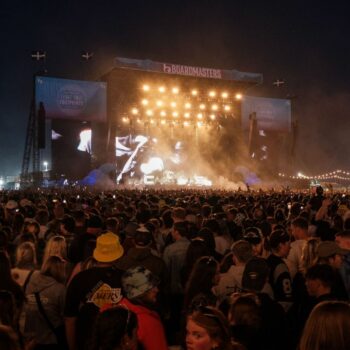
(150, 331)
(52, 295)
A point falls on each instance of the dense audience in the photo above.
(174, 269)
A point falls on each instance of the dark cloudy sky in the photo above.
(305, 44)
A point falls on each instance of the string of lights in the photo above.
(334, 175)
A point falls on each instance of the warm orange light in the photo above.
(212, 93)
(149, 112)
(200, 116)
(173, 104)
(134, 111)
(186, 123)
(212, 116)
(175, 90)
(224, 95)
(202, 106)
(125, 120)
(187, 115)
(175, 114)
(163, 114)
(163, 122)
(145, 87)
(161, 89)
(199, 124)
(227, 108)
(152, 121)
(214, 107)
(187, 105)
(144, 102)
(194, 92)
(238, 96)
(159, 103)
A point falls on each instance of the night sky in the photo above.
(306, 45)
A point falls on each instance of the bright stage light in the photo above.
(212, 93)
(125, 120)
(175, 114)
(173, 104)
(138, 121)
(212, 116)
(227, 108)
(186, 123)
(200, 116)
(159, 103)
(149, 112)
(144, 102)
(194, 92)
(163, 114)
(161, 89)
(163, 122)
(187, 105)
(238, 96)
(152, 121)
(224, 95)
(175, 90)
(145, 87)
(202, 106)
(134, 111)
(187, 115)
(214, 107)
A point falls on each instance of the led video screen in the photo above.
(72, 99)
(71, 149)
(271, 113)
(156, 159)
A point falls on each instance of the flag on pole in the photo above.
(38, 55)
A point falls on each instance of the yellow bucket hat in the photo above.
(108, 248)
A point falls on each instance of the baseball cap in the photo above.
(252, 235)
(255, 274)
(11, 204)
(108, 248)
(143, 237)
(138, 280)
(277, 237)
(130, 229)
(95, 222)
(328, 248)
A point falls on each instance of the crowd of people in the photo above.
(174, 269)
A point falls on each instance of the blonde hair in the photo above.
(56, 246)
(54, 267)
(26, 255)
(327, 327)
(308, 255)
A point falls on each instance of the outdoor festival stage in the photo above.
(165, 125)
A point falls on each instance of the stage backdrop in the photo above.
(71, 99)
(272, 114)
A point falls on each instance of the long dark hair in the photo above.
(111, 326)
(5, 271)
(201, 279)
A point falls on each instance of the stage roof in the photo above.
(188, 71)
